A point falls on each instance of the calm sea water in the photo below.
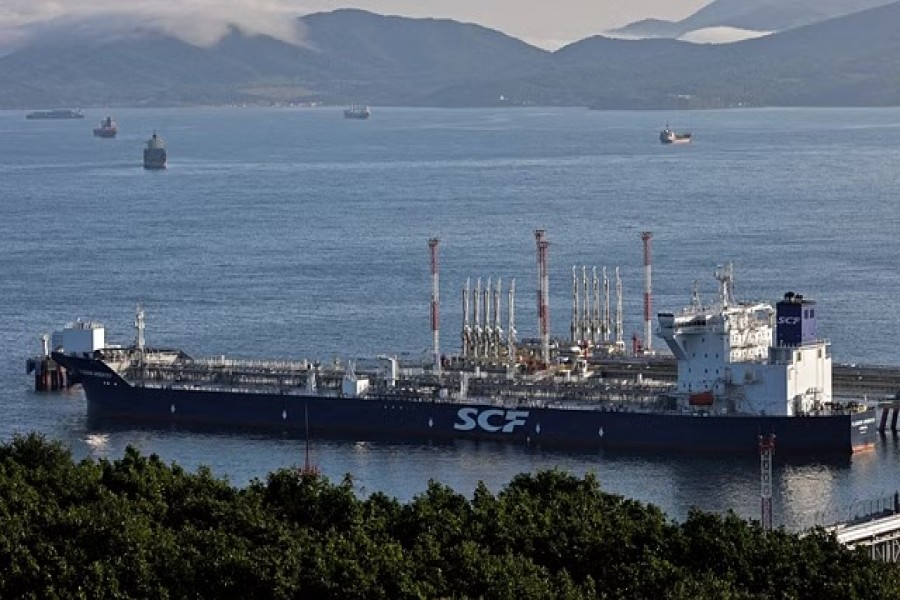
(294, 233)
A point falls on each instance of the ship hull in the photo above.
(111, 398)
(155, 158)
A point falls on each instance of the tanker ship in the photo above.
(745, 370)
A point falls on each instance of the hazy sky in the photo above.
(544, 23)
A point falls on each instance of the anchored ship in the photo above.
(668, 136)
(744, 370)
(357, 111)
(155, 153)
(62, 113)
(107, 128)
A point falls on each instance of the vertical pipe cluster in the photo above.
(482, 334)
(648, 297)
(543, 246)
(589, 323)
(435, 305)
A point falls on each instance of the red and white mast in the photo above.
(540, 237)
(766, 450)
(435, 305)
(648, 297)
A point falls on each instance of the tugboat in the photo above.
(107, 128)
(668, 136)
(155, 153)
(357, 111)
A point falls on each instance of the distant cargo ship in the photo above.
(740, 376)
(357, 111)
(107, 128)
(668, 136)
(155, 153)
(64, 113)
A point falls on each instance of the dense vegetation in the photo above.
(138, 528)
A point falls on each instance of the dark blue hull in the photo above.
(110, 397)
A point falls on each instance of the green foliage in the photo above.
(138, 528)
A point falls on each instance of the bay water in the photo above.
(295, 233)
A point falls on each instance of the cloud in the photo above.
(199, 22)
(721, 35)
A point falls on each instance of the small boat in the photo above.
(668, 136)
(107, 128)
(63, 113)
(357, 111)
(155, 153)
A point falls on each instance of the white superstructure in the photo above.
(79, 337)
(745, 358)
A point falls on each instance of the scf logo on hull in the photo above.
(788, 320)
(493, 419)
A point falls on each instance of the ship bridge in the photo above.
(725, 331)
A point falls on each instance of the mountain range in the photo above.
(348, 56)
(764, 16)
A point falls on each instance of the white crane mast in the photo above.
(575, 303)
(435, 306)
(511, 327)
(606, 312)
(488, 331)
(139, 329)
(585, 306)
(620, 325)
(497, 340)
(467, 324)
(478, 331)
(595, 310)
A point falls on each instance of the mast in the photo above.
(467, 326)
(435, 306)
(139, 329)
(586, 306)
(648, 295)
(574, 326)
(511, 332)
(606, 312)
(497, 340)
(540, 236)
(596, 326)
(766, 450)
(620, 323)
(478, 330)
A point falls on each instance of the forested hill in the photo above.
(136, 527)
(351, 56)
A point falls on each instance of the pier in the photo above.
(878, 530)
